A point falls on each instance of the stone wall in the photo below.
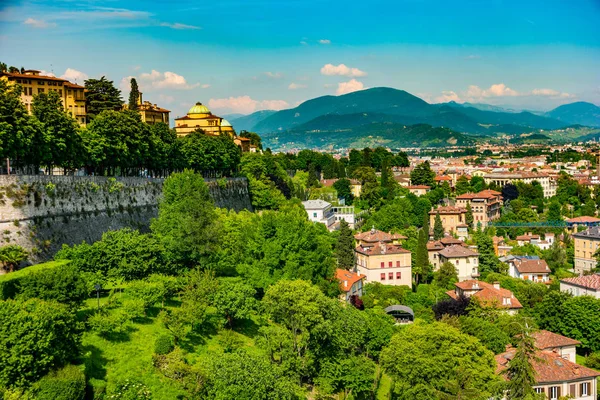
(41, 213)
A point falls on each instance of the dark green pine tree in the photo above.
(520, 371)
(469, 216)
(422, 267)
(488, 262)
(134, 95)
(101, 95)
(438, 227)
(344, 248)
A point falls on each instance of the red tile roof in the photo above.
(457, 251)
(347, 279)
(526, 238)
(549, 367)
(381, 249)
(549, 340)
(448, 210)
(584, 219)
(484, 194)
(449, 240)
(375, 235)
(587, 281)
(434, 246)
(487, 294)
(531, 266)
(419, 187)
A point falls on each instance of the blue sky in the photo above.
(246, 55)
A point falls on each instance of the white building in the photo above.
(587, 285)
(465, 260)
(529, 270)
(503, 178)
(319, 211)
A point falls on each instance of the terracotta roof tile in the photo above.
(456, 251)
(488, 294)
(586, 281)
(347, 279)
(531, 266)
(549, 340)
(381, 249)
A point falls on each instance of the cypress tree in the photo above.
(422, 266)
(520, 371)
(438, 227)
(469, 216)
(134, 95)
(488, 262)
(344, 248)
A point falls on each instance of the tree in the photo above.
(344, 248)
(438, 227)
(186, 224)
(62, 284)
(3, 67)
(446, 275)
(234, 299)
(422, 175)
(589, 208)
(343, 187)
(35, 336)
(210, 153)
(424, 359)
(488, 262)
(134, 95)
(422, 266)
(12, 255)
(354, 376)
(469, 215)
(101, 95)
(509, 192)
(520, 372)
(477, 184)
(13, 70)
(462, 185)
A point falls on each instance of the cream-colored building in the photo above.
(388, 264)
(151, 113)
(452, 217)
(503, 178)
(71, 94)
(200, 117)
(419, 190)
(486, 205)
(586, 243)
(465, 260)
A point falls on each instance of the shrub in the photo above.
(108, 324)
(67, 383)
(134, 308)
(149, 292)
(593, 360)
(164, 344)
(63, 284)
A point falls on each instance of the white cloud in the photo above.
(325, 41)
(39, 23)
(474, 93)
(295, 86)
(205, 86)
(165, 80)
(246, 105)
(274, 75)
(496, 90)
(448, 95)
(179, 26)
(105, 13)
(46, 73)
(328, 85)
(341, 70)
(73, 75)
(348, 87)
(553, 94)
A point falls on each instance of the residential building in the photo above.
(584, 221)
(465, 260)
(563, 346)
(485, 205)
(71, 94)
(451, 217)
(462, 231)
(536, 240)
(200, 117)
(587, 285)
(151, 113)
(373, 236)
(529, 270)
(586, 243)
(557, 377)
(345, 213)
(491, 295)
(351, 283)
(504, 178)
(386, 263)
(500, 247)
(319, 211)
(419, 190)
(433, 251)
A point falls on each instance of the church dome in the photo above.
(224, 122)
(198, 108)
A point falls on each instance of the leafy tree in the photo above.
(509, 192)
(423, 359)
(210, 153)
(446, 276)
(234, 299)
(12, 255)
(344, 190)
(101, 95)
(469, 216)
(393, 216)
(554, 212)
(35, 336)
(451, 307)
(422, 175)
(354, 376)
(134, 95)
(371, 191)
(3, 67)
(62, 284)
(462, 185)
(520, 372)
(488, 262)
(186, 223)
(477, 184)
(255, 139)
(589, 208)
(491, 335)
(344, 248)
(422, 267)
(438, 227)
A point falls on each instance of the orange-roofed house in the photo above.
(564, 346)
(491, 295)
(419, 190)
(529, 269)
(351, 283)
(373, 236)
(586, 285)
(485, 205)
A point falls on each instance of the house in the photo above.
(536, 240)
(563, 346)
(503, 178)
(319, 211)
(383, 262)
(528, 269)
(351, 283)
(451, 217)
(587, 285)
(585, 221)
(440, 179)
(462, 231)
(500, 247)
(485, 205)
(433, 250)
(345, 213)
(465, 260)
(556, 376)
(373, 236)
(419, 190)
(487, 294)
(586, 243)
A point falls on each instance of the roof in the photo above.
(375, 235)
(587, 281)
(590, 233)
(549, 340)
(584, 219)
(399, 308)
(457, 251)
(74, 86)
(484, 194)
(516, 175)
(381, 249)
(487, 293)
(347, 278)
(443, 178)
(38, 77)
(224, 122)
(549, 367)
(315, 204)
(434, 246)
(419, 187)
(448, 210)
(449, 240)
(199, 108)
(531, 266)
(527, 237)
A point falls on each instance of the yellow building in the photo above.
(200, 117)
(452, 217)
(72, 95)
(151, 113)
(586, 244)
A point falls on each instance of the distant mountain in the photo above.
(580, 112)
(248, 122)
(483, 107)
(231, 117)
(403, 108)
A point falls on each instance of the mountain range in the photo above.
(386, 112)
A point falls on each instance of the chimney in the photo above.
(496, 285)
(140, 99)
(383, 247)
(345, 284)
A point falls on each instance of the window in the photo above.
(25, 91)
(584, 389)
(69, 91)
(60, 92)
(382, 264)
(391, 276)
(572, 390)
(554, 392)
(30, 91)
(397, 264)
(539, 390)
(383, 276)
(398, 275)
(390, 264)
(41, 83)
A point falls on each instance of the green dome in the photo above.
(224, 122)
(199, 109)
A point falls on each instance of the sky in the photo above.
(240, 56)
